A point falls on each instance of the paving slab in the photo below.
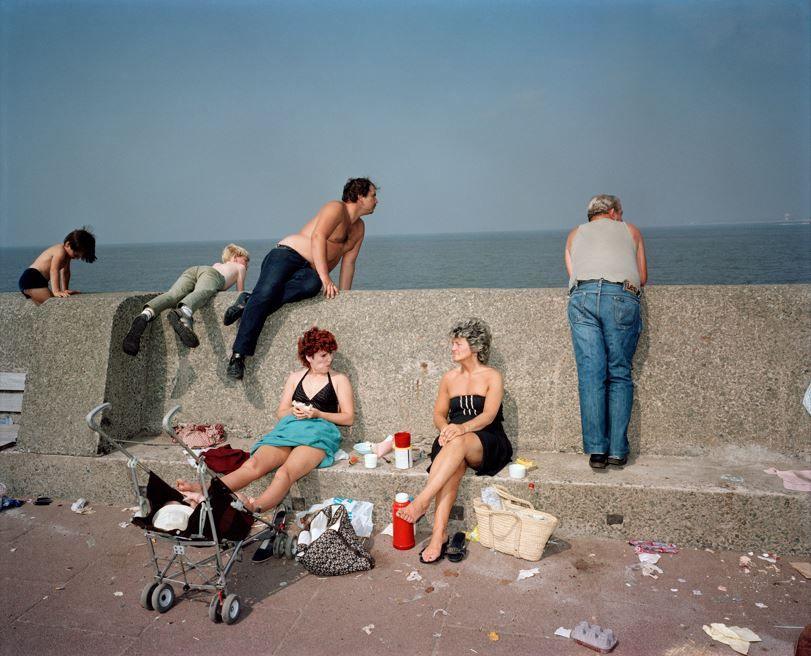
(453, 609)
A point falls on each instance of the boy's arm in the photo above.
(241, 278)
(66, 278)
(57, 264)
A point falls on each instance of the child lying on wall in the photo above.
(195, 287)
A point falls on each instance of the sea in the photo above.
(730, 254)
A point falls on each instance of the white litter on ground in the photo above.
(527, 573)
(563, 633)
(414, 576)
(118, 593)
(649, 558)
(368, 629)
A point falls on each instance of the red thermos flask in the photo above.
(403, 531)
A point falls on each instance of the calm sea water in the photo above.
(692, 255)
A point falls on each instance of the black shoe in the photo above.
(264, 551)
(236, 367)
(617, 462)
(598, 460)
(233, 313)
(183, 326)
(132, 342)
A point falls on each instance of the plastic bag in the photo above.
(360, 514)
(807, 399)
(491, 498)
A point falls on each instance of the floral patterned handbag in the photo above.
(338, 550)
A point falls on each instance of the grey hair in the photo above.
(478, 335)
(603, 204)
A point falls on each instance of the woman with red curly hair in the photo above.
(314, 400)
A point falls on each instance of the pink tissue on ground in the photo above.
(799, 481)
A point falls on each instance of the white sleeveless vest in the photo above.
(604, 248)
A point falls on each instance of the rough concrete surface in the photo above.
(71, 585)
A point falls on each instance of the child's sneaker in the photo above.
(236, 367)
(234, 312)
(132, 342)
(184, 327)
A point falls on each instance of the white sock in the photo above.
(186, 310)
(149, 313)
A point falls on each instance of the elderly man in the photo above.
(605, 259)
(300, 265)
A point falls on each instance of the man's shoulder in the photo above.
(333, 207)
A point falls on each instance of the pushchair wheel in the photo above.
(278, 545)
(215, 609)
(163, 597)
(230, 609)
(146, 595)
(290, 547)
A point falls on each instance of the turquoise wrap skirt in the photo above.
(317, 433)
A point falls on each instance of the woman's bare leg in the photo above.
(466, 448)
(442, 512)
(264, 460)
(301, 461)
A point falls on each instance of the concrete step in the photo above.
(723, 502)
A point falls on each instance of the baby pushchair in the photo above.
(219, 522)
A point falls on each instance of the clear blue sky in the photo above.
(164, 121)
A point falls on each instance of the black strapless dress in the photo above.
(496, 446)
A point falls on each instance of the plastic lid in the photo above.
(402, 497)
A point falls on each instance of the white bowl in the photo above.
(517, 471)
(363, 447)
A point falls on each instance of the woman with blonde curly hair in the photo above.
(313, 401)
(468, 415)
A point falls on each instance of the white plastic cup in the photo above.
(517, 471)
(370, 460)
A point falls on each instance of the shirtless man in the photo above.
(300, 265)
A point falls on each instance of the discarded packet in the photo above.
(651, 546)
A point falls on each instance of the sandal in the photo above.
(457, 550)
(438, 558)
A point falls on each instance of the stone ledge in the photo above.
(677, 499)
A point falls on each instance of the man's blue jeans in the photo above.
(605, 324)
(285, 277)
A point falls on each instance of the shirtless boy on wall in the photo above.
(300, 265)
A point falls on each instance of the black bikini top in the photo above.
(325, 400)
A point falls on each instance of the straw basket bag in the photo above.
(518, 529)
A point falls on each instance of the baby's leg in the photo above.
(39, 295)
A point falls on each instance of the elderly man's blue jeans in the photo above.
(605, 323)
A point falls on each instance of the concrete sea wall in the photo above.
(716, 367)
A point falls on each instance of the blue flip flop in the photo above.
(457, 549)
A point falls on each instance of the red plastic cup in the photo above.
(402, 440)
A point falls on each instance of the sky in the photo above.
(214, 120)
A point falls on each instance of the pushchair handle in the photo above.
(167, 421)
(90, 419)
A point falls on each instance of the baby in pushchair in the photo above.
(219, 522)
